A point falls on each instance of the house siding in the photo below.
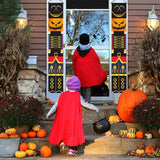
(36, 9)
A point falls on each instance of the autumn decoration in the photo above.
(139, 134)
(127, 101)
(41, 133)
(45, 151)
(114, 119)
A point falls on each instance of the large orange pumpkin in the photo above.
(127, 101)
(149, 149)
(45, 151)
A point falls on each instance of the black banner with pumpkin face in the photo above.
(119, 58)
(55, 47)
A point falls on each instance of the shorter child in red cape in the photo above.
(67, 129)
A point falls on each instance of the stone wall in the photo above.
(142, 81)
(32, 82)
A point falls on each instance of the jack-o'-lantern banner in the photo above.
(119, 59)
(55, 47)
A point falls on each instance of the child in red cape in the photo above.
(67, 129)
(87, 67)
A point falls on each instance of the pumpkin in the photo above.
(32, 134)
(24, 135)
(114, 119)
(3, 135)
(36, 128)
(149, 149)
(148, 135)
(127, 101)
(123, 133)
(132, 130)
(20, 154)
(118, 24)
(131, 135)
(29, 152)
(14, 136)
(41, 133)
(10, 131)
(32, 145)
(23, 146)
(139, 134)
(45, 151)
(140, 152)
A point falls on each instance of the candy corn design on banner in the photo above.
(119, 57)
(55, 47)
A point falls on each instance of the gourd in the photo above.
(45, 151)
(10, 131)
(140, 152)
(13, 136)
(148, 135)
(32, 134)
(127, 101)
(114, 119)
(20, 154)
(157, 153)
(132, 130)
(23, 146)
(149, 149)
(36, 128)
(131, 135)
(24, 135)
(41, 133)
(3, 135)
(139, 134)
(29, 152)
(32, 145)
(123, 132)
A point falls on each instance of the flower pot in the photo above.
(23, 129)
(155, 133)
(9, 146)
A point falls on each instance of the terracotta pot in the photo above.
(23, 129)
(155, 133)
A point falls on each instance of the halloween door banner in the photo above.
(119, 58)
(55, 50)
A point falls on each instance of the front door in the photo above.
(93, 19)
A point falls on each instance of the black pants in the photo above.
(86, 93)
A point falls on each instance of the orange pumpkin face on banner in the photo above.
(55, 24)
(119, 24)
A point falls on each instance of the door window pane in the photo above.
(94, 23)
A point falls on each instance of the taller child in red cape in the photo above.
(87, 67)
(67, 129)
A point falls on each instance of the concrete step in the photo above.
(115, 145)
(83, 157)
(88, 115)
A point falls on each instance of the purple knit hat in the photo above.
(74, 83)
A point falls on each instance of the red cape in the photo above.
(88, 69)
(68, 124)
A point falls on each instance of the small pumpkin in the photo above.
(41, 133)
(10, 131)
(32, 145)
(131, 135)
(36, 128)
(114, 119)
(148, 135)
(13, 136)
(3, 135)
(127, 101)
(24, 135)
(32, 134)
(23, 146)
(132, 130)
(140, 152)
(29, 152)
(139, 134)
(45, 151)
(20, 154)
(149, 149)
(123, 133)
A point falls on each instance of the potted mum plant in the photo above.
(15, 111)
(147, 114)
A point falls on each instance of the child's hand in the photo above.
(97, 110)
(47, 118)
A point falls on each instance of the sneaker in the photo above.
(72, 152)
(63, 148)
